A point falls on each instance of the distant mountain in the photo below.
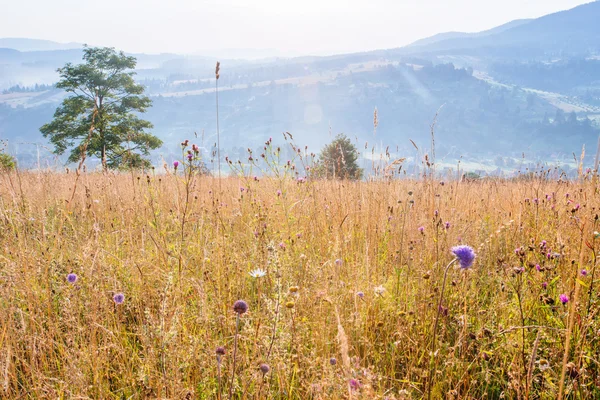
(460, 35)
(566, 33)
(23, 44)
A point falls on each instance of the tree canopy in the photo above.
(339, 159)
(100, 116)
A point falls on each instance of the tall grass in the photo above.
(181, 254)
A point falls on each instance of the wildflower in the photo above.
(360, 294)
(422, 229)
(282, 245)
(332, 361)
(545, 285)
(536, 200)
(465, 255)
(258, 273)
(543, 244)
(379, 290)
(290, 304)
(119, 298)
(278, 193)
(242, 189)
(240, 307)
(72, 278)
(175, 164)
(543, 364)
(538, 268)
(190, 157)
(294, 289)
(354, 384)
(563, 298)
(447, 225)
(338, 262)
(436, 213)
(519, 270)
(584, 272)
(442, 183)
(264, 368)
(220, 351)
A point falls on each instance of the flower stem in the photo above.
(237, 329)
(435, 327)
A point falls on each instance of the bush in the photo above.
(7, 162)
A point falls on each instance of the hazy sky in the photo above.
(290, 27)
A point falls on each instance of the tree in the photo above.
(7, 162)
(339, 160)
(99, 118)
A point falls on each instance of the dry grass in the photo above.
(182, 266)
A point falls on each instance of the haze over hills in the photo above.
(24, 44)
(461, 35)
(571, 32)
(526, 86)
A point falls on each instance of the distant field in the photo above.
(353, 274)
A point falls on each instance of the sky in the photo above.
(275, 27)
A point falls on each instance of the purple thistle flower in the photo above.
(264, 368)
(421, 229)
(220, 351)
(332, 361)
(538, 268)
(175, 164)
(543, 244)
(338, 262)
(584, 272)
(354, 384)
(240, 307)
(465, 255)
(545, 285)
(564, 298)
(447, 225)
(360, 294)
(278, 192)
(72, 278)
(119, 298)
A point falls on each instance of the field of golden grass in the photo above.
(353, 275)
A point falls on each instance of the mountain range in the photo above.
(530, 85)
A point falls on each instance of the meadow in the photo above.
(123, 285)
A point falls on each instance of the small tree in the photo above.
(7, 162)
(339, 160)
(99, 117)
